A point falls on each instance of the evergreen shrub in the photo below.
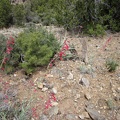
(18, 13)
(37, 48)
(5, 13)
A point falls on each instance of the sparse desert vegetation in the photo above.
(59, 60)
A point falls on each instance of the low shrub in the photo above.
(111, 65)
(95, 30)
(37, 48)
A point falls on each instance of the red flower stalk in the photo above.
(60, 54)
(9, 48)
(48, 104)
(106, 43)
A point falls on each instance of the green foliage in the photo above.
(110, 14)
(96, 30)
(111, 65)
(92, 15)
(18, 12)
(5, 13)
(60, 12)
(37, 47)
(3, 40)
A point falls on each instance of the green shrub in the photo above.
(37, 47)
(95, 30)
(111, 65)
(92, 15)
(110, 14)
(18, 12)
(5, 13)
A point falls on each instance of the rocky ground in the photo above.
(71, 90)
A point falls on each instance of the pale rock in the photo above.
(49, 75)
(54, 90)
(81, 117)
(84, 82)
(77, 96)
(40, 85)
(87, 96)
(44, 89)
(15, 75)
(70, 76)
(54, 103)
(84, 115)
(94, 114)
(118, 90)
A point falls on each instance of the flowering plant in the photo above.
(9, 47)
(65, 47)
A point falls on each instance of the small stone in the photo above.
(49, 75)
(40, 85)
(43, 117)
(87, 96)
(81, 117)
(113, 90)
(53, 111)
(77, 96)
(54, 103)
(70, 76)
(31, 119)
(44, 89)
(54, 90)
(117, 98)
(84, 82)
(94, 114)
(84, 115)
(118, 90)
(15, 75)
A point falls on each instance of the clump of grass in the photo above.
(111, 65)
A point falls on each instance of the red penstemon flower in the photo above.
(9, 48)
(108, 40)
(5, 60)
(53, 97)
(34, 112)
(48, 103)
(61, 53)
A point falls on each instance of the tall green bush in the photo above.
(5, 13)
(73, 13)
(18, 12)
(110, 14)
